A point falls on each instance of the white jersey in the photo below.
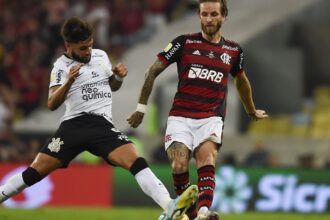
(90, 93)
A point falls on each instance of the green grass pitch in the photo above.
(133, 214)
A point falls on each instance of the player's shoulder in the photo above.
(189, 38)
(99, 54)
(63, 62)
(231, 45)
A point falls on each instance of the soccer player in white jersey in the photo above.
(83, 79)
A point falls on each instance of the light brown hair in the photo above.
(223, 6)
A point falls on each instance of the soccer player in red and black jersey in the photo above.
(195, 124)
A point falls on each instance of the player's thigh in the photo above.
(45, 164)
(68, 141)
(113, 146)
(124, 155)
(209, 129)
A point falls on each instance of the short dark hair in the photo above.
(75, 30)
(223, 6)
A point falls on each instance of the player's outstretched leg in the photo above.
(178, 207)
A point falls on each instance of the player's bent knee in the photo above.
(179, 167)
(31, 176)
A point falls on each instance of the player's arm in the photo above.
(116, 80)
(57, 94)
(243, 86)
(153, 71)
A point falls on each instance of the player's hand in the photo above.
(258, 114)
(135, 119)
(74, 72)
(120, 70)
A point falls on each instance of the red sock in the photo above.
(181, 183)
(206, 185)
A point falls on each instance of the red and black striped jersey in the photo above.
(203, 69)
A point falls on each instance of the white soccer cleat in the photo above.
(3, 196)
(178, 207)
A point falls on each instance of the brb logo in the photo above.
(203, 73)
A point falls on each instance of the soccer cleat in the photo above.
(179, 206)
(3, 196)
(209, 215)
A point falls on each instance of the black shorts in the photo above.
(84, 133)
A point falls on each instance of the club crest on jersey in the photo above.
(225, 58)
(55, 145)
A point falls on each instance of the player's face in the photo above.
(211, 18)
(81, 51)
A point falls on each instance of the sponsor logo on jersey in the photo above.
(225, 58)
(241, 58)
(58, 76)
(55, 145)
(171, 51)
(91, 91)
(203, 73)
(193, 41)
(196, 52)
(230, 48)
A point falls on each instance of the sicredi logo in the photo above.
(273, 192)
(281, 192)
(206, 74)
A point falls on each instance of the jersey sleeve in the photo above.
(57, 76)
(173, 51)
(238, 64)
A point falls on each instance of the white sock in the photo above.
(14, 185)
(203, 210)
(153, 187)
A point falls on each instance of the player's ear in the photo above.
(67, 45)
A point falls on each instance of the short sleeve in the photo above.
(238, 66)
(57, 77)
(173, 51)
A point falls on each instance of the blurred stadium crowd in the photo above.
(30, 41)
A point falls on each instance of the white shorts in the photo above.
(193, 132)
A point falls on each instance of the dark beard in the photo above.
(211, 32)
(80, 59)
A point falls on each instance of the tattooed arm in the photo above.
(154, 70)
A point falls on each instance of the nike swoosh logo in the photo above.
(4, 194)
